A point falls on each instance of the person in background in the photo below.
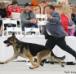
(0, 26)
(68, 25)
(14, 7)
(28, 17)
(73, 16)
(56, 33)
(3, 14)
(71, 28)
(66, 20)
(42, 6)
(35, 2)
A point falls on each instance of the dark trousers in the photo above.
(0, 23)
(75, 33)
(52, 41)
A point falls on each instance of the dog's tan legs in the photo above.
(41, 56)
(36, 62)
(39, 59)
(30, 57)
(33, 63)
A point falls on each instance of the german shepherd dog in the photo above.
(34, 52)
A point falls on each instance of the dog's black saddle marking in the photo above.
(34, 48)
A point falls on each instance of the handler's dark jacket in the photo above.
(54, 27)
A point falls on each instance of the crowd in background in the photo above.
(28, 11)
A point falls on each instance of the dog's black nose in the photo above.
(5, 41)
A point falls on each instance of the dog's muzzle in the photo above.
(7, 43)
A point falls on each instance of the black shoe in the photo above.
(70, 63)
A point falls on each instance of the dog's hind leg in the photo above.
(42, 62)
(58, 60)
(61, 62)
(41, 56)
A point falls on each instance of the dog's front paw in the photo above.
(42, 64)
(2, 63)
(33, 67)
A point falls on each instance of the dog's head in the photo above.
(11, 40)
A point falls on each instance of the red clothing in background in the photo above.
(12, 8)
(65, 22)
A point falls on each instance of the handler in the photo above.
(55, 32)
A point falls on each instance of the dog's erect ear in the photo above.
(13, 34)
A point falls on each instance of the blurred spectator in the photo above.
(0, 26)
(35, 2)
(71, 28)
(3, 12)
(66, 20)
(42, 6)
(27, 17)
(36, 9)
(73, 16)
(75, 33)
(13, 8)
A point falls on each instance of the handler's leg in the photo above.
(62, 44)
(50, 43)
